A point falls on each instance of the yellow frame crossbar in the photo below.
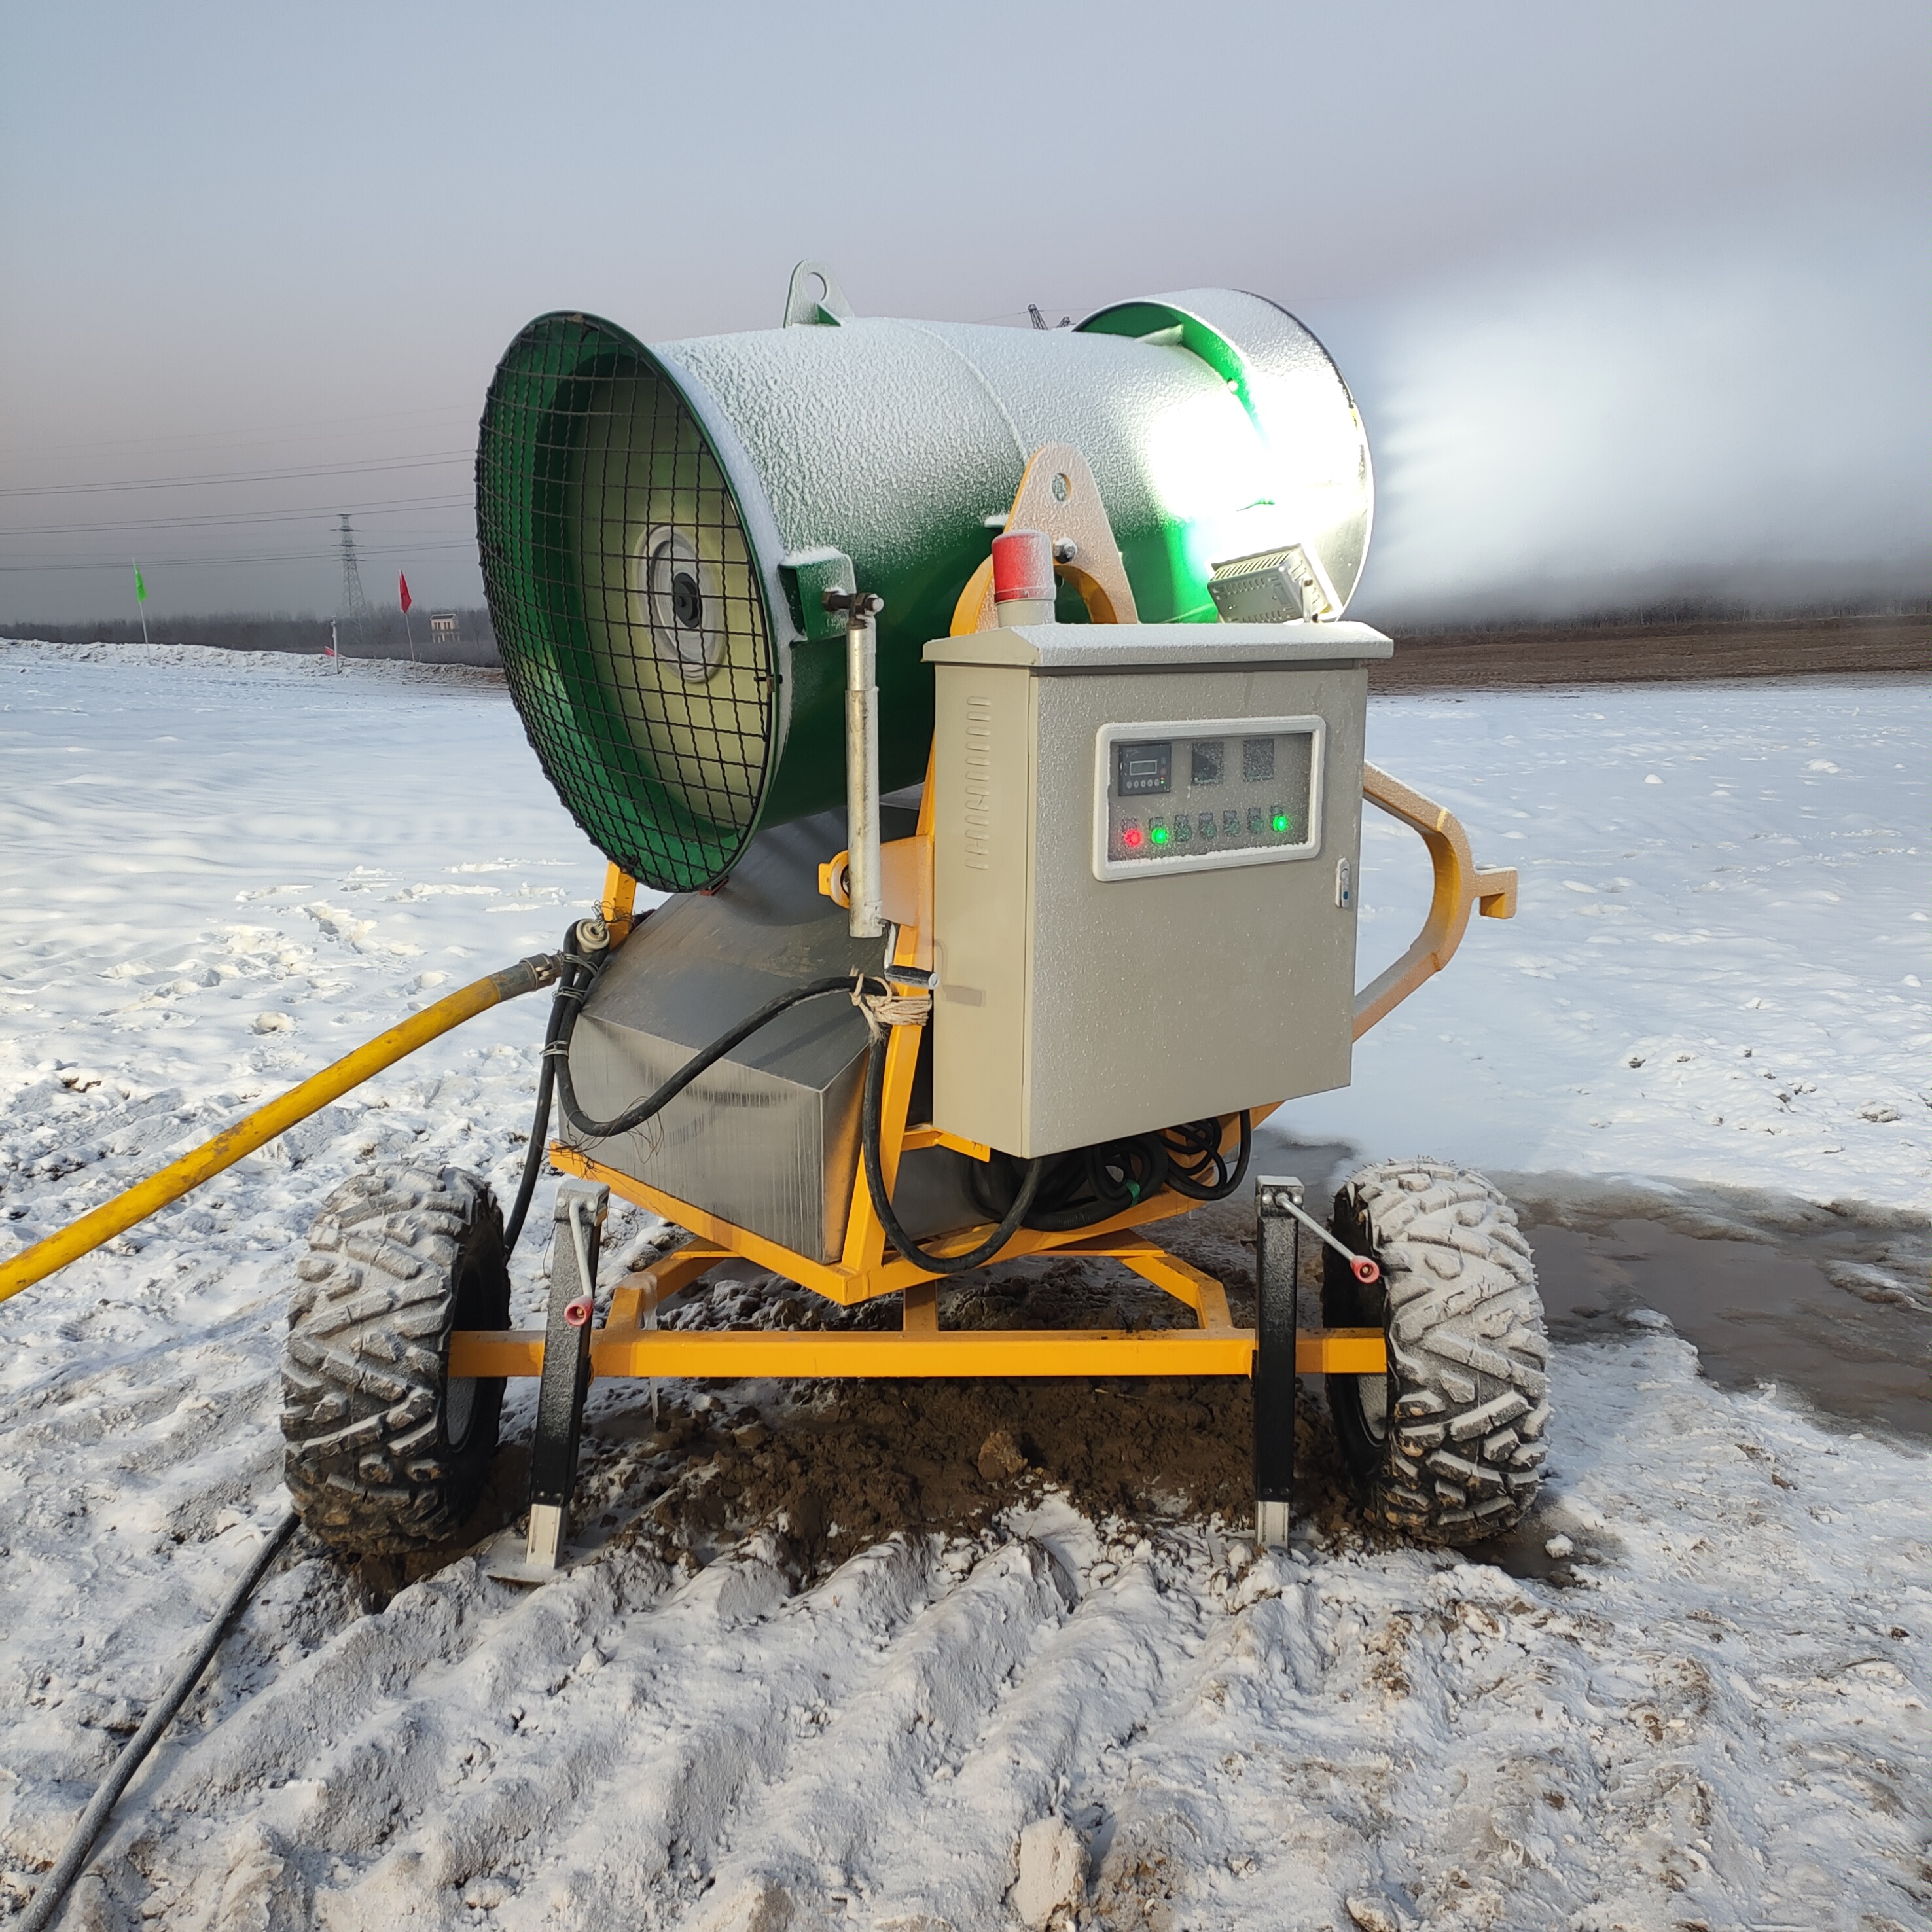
(750, 1353)
(629, 1345)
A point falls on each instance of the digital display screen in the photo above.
(1144, 771)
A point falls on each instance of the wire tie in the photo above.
(883, 1010)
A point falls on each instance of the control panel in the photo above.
(1198, 794)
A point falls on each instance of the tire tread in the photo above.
(1468, 1355)
(365, 1369)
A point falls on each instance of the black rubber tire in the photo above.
(385, 1453)
(1448, 1446)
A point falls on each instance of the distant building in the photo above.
(443, 627)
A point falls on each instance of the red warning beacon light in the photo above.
(1023, 568)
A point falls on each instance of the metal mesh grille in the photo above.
(626, 602)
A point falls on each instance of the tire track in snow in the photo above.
(819, 1831)
(693, 1695)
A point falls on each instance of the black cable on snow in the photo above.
(51, 1892)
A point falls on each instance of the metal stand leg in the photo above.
(1277, 1266)
(581, 1206)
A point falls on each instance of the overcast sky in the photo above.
(1637, 298)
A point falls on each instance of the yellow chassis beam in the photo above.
(749, 1353)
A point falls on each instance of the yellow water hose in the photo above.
(116, 1216)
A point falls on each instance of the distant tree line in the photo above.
(1671, 611)
(384, 635)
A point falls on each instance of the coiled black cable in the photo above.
(1203, 1138)
(1115, 1175)
(1090, 1185)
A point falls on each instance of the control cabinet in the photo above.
(1146, 836)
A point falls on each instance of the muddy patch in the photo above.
(833, 1466)
(1833, 1304)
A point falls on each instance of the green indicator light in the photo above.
(1281, 821)
(1158, 835)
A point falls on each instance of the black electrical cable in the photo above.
(1143, 1170)
(558, 1054)
(572, 983)
(870, 1118)
(533, 1159)
(1111, 1176)
(1080, 1189)
(53, 1890)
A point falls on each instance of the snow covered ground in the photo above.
(1719, 966)
(220, 872)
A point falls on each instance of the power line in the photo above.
(244, 476)
(256, 433)
(382, 506)
(265, 557)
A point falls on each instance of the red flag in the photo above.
(403, 587)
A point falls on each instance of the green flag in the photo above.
(140, 589)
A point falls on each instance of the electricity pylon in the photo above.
(353, 617)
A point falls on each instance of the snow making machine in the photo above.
(984, 701)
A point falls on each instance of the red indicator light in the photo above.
(1132, 839)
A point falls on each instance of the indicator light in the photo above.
(1281, 821)
(1158, 835)
(1207, 825)
(1132, 839)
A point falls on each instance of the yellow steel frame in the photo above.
(630, 1343)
